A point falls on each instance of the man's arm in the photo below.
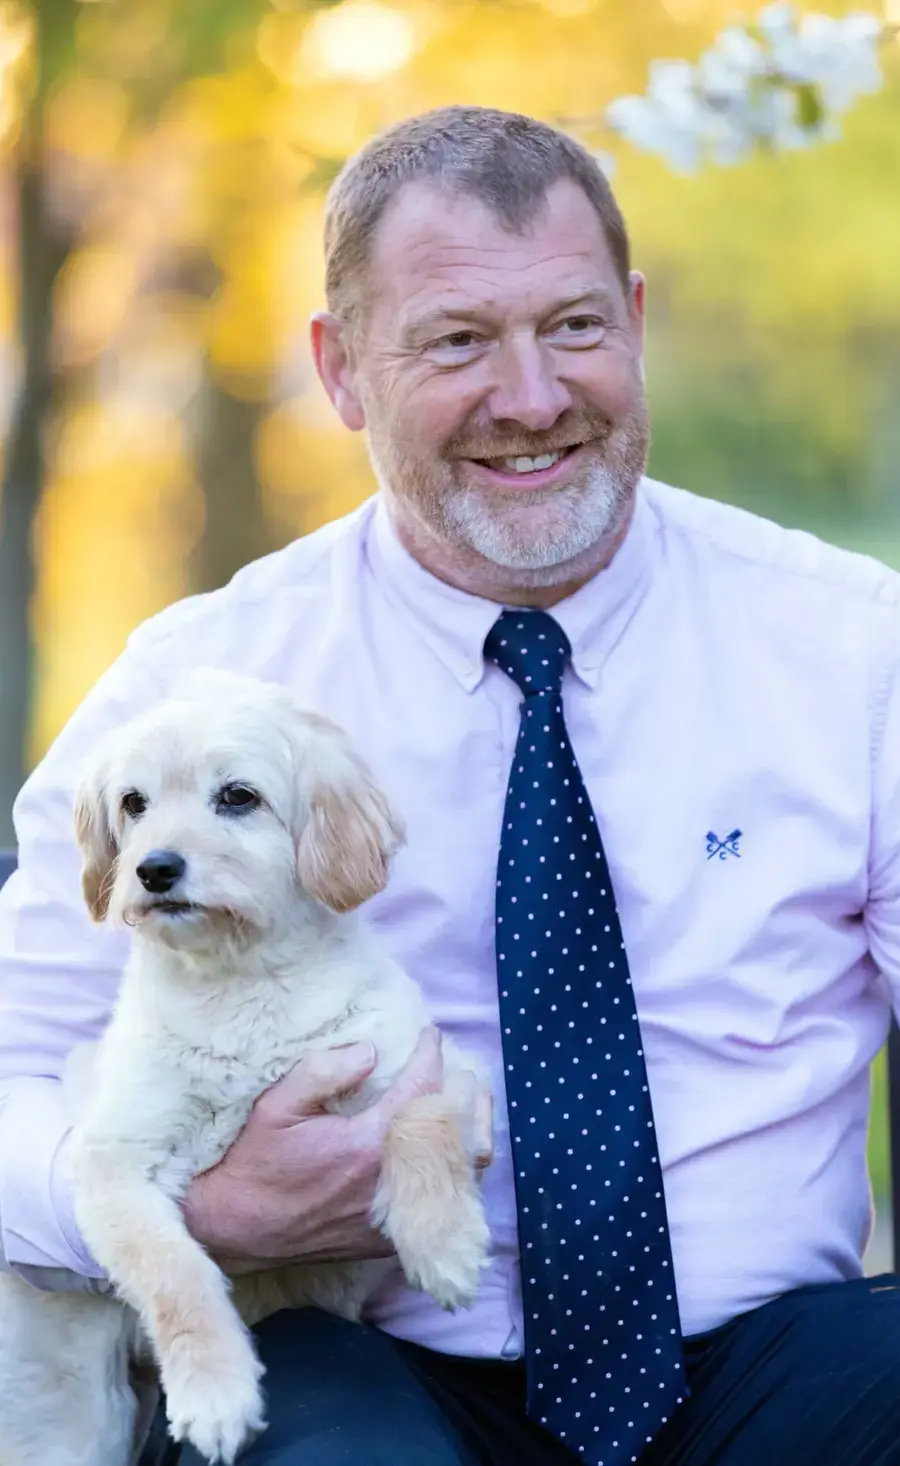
(58, 978)
(882, 914)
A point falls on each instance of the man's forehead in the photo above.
(436, 244)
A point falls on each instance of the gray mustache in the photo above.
(481, 448)
(572, 431)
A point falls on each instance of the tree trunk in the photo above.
(236, 530)
(43, 248)
(44, 243)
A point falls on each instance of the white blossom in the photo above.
(781, 83)
(842, 57)
(779, 27)
(729, 65)
(651, 125)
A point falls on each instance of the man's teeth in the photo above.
(528, 465)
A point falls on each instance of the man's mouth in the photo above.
(521, 464)
(515, 473)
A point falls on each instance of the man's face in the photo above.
(499, 378)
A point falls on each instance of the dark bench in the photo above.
(8, 865)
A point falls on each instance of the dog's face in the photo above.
(215, 812)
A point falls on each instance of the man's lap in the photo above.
(812, 1379)
(342, 1393)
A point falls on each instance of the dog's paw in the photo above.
(216, 1402)
(220, 1422)
(450, 1267)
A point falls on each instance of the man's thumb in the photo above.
(318, 1077)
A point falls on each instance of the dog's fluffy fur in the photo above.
(220, 998)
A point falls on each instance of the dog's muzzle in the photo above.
(160, 871)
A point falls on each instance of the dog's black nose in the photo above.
(159, 871)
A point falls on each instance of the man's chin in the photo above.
(540, 532)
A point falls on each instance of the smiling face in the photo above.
(498, 376)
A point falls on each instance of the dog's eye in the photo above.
(237, 797)
(133, 804)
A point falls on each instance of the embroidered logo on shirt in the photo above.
(723, 848)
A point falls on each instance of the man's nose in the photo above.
(528, 389)
(159, 871)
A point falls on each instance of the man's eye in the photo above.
(456, 344)
(133, 804)
(236, 798)
(588, 328)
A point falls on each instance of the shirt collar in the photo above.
(454, 624)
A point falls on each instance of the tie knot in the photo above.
(531, 648)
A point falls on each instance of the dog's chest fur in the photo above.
(182, 1062)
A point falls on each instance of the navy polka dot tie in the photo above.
(602, 1337)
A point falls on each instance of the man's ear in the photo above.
(637, 299)
(96, 838)
(332, 350)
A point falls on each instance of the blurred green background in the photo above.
(162, 174)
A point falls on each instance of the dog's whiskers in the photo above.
(108, 881)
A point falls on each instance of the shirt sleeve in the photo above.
(59, 973)
(882, 915)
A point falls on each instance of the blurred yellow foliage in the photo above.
(117, 521)
(86, 117)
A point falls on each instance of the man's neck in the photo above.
(468, 571)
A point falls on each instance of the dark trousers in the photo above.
(812, 1379)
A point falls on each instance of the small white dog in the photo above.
(235, 834)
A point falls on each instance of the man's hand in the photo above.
(298, 1183)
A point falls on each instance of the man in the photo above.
(524, 633)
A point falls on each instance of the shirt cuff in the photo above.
(38, 1232)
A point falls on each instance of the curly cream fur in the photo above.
(217, 1002)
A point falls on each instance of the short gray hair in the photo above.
(502, 158)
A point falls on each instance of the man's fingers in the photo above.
(476, 1111)
(424, 1074)
(483, 1128)
(319, 1076)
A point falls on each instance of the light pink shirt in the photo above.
(727, 675)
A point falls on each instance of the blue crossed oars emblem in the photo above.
(723, 848)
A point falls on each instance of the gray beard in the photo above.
(586, 517)
(587, 514)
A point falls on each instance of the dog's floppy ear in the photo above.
(96, 839)
(348, 830)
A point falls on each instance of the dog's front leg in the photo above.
(428, 1203)
(209, 1370)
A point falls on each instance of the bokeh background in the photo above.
(162, 175)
